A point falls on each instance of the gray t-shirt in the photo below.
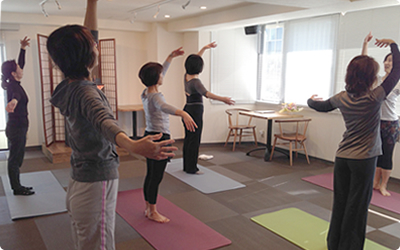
(156, 109)
(157, 112)
(194, 90)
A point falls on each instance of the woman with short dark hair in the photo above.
(195, 91)
(360, 147)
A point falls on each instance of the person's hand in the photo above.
(177, 52)
(25, 42)
(368, 38)
(154, 150)
(316, 98)
(229, 101)
(11, 106)
(383, 43)
(210, 45)
(189, 123)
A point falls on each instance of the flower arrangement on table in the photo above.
(289, 108)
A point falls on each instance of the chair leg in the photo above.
(240, 136)
(290, 153)
(227, 139)
(273, 149)
(295, 146)
(305, 151)
(234, 140)
(255, 137)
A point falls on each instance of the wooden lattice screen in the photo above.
(53, 121)
(108, 72)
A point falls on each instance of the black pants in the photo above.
(155, 174)
(353, 182)
(17, 139)
(192, 140)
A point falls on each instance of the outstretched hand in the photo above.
(383, 43)
(210, 45)
(368, 38)
(229, 101)
(11, 106)
(316, 98)
(177, 52)
(189, 123)
(25, 42)
(155, 150)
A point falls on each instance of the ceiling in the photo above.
(147, 9)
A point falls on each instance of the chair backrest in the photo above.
(299, 123)
(233, 116)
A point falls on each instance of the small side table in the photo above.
(132, 108)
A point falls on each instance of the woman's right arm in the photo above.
(21, 58)
(392, 79)
(319, 105)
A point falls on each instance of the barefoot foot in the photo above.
(384, 192)
(157, 217)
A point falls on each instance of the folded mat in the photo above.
(49, 197)
(391, 203)
(303, 229)
(209, 182)
(183, 231)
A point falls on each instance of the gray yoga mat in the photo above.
(49, 197)
(209, 182)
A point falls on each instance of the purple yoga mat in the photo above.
(183, 231)
(390, 203)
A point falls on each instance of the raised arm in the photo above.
(91, 15)
(21, 58)
(208, 46)
(367, 39)
(172, 55)
(392, 79)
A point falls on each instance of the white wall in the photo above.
(154, 44)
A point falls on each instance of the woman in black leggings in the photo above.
(17, 124)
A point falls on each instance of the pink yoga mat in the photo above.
(391, 203)
(183, 231)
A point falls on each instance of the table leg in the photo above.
(134, 132)
(269, 137)
(268, 148)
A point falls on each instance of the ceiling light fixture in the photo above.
(133, 18)
(158, 4)
(186, 4)
(203, 7)
(43, 9)
(158, 12)
(167, 16)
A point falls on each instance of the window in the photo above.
(270, 64)
(234, 65)
(297, 60)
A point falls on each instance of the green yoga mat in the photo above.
(303, 229)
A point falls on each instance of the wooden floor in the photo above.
(269, 186)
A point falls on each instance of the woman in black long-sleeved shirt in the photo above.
(17, 124)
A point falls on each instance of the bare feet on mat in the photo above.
(377, 185)
(157, 217)
(199, 172)
(384, 191)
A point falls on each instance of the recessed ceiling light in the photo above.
(167, 16)
(203, 7)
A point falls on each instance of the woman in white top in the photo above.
(389, 126)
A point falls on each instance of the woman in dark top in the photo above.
(17, 124)
(195, 91)
(360, 147)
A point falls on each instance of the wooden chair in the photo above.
(236, 129)
(298, 136)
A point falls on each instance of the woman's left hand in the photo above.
(25, 42)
